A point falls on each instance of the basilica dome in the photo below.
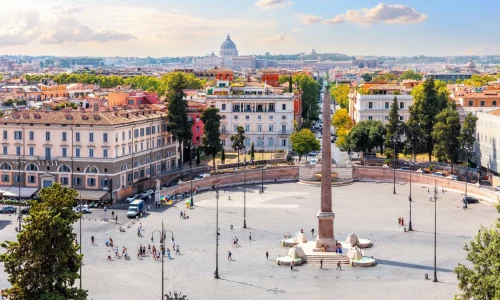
(228, 48)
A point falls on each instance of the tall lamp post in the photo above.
(435, 230)
(466, 171)
(163, 235)
(262, 182)
(410, 200)
(245, 197)
(191, 171)
(19, 161)
(216, 273)
(394, 166)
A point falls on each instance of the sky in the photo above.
(161, 28)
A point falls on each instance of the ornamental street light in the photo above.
(410, 200)
(435, 231)
(245, 197)
(216, 273)
(163, 235)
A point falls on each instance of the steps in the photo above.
(328, 259)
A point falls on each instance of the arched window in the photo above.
(158, 156)
(260, 141)
(64, 169)
(270, 141)
(124, 167)
(147, 160)
(31, 167)
(137, 164)
(5, 166)
(91, 169)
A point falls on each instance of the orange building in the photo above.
(486, 98)
(271, 77)
(224, 74)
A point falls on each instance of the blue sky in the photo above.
(196, 27)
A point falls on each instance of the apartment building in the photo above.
(97, 153)
(266, 115)
(488, 140)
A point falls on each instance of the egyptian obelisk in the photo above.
(326, 216)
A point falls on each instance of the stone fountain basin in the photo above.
(364, 243)
(364, 262)
(318, 176)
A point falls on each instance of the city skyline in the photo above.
(196, 28)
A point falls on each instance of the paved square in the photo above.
(370, 209)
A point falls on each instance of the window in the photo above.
(197, 128)
(283, 106)
(4, 152)
(136, 133)
(153, 130)
(271, 127)
(123, 135)
(283, 117)
(18, 150)
(152, 143)
(370, 104)
(32, 135)
(236, 117)
(31, 179)
(5, 178)
(235, 128)
(64, 168)
(148, 130)
(5, 134)
(32, 151)
(64, 180)
(105, 137)
(247, 142)
(482, 103)
(47, 135)
(129, 134)
(129, 149)
(142, 146)
(370, 118)
(401, 118)
(283, 143)
(123, 150)
(386, 105)
(147, 145)
(32, 167)
(104, 153)
(247, 128)
(47, 153)
(401, 105)
(91, 152)
(64, 136)
(90, 181)
(271, 117)
(91, 137)
(77, 136)
(223, 142)
(270, 142)
(259, 117)
(17, 178)
(259, 128)
(104, 182)
(142, 131)
(471, 103)
(18, 135)
(386, 118)
(77, 152)
(64, 152)
(283, 128)
(116, 137)
(493, 103)
(247, 117)
(223, 107)
(135, 148)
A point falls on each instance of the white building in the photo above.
(266, 117)
(488, 139)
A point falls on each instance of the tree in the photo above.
(304, 141)
(341, 119)
(429, 99)
(482, 280)
(211, 132)
(446, 134)
(178, 123)
(343, 140)
(410, 74)
(367, 77)
(394, 129)
(340, 94)
(384, 77)
(468, 134)
(252, 152)
(310, 95)
(198, 156)
(366, 135)
(43, 263)
(222, 156)
(290, 86)
(238, 141)
(479, 80)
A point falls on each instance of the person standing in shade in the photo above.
(229, 255)
(92, 240)
(267, 255)
(321, 264)
(338, 266)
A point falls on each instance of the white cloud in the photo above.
(273, 4)
(297, 30)
(279, 38)
(309, 19)
(20, 29)
(382, 13)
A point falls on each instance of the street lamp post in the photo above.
(410, 200)
(191, 171)
(163, 235)
(81, 263)
(466, 171)
(19, 190)
(435, 230)
(262, 183)
(245, 198)
(216, 273)
(394, 166)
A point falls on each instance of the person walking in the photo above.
(312, 232)
(229, 255)
(92, 240)
(112, 214)
(338, 266)
(149, 248)
(181, 215)
(267, 255)
(291, 266)
(116, 252)
(109, 255)
(250, 236)
(321, 264)
(177, 251)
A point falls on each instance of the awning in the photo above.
(90, 195)
(26, 192)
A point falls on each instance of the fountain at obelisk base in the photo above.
(326, 247)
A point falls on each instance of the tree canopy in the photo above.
(341, 119)
(178, 123)
(410, 74)
(211, 133)
(43, 263)
(238, 141)
(366, 135)
(480, 80)
(304, 141)
(340, 94)
(446, 134)
(468, 134)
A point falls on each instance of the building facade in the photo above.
(488, 140)
(266, 117)
(377, 107)
(100, 152)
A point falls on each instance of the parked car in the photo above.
(25, 210)
(83, 209)
(130, 199)
(404, 169)
(438, 174)
(313, 153)
(470, 200)
(452, 177)
(8, 210)
(497, 188)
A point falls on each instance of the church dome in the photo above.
(470, 64)
(228, 48)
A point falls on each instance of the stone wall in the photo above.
(363, 173)
(343, 171)
(237, 178)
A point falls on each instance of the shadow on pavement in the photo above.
(4, 223)
(411, 266)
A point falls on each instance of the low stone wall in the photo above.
(237, 178)
(343, 171)
(363, 173)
